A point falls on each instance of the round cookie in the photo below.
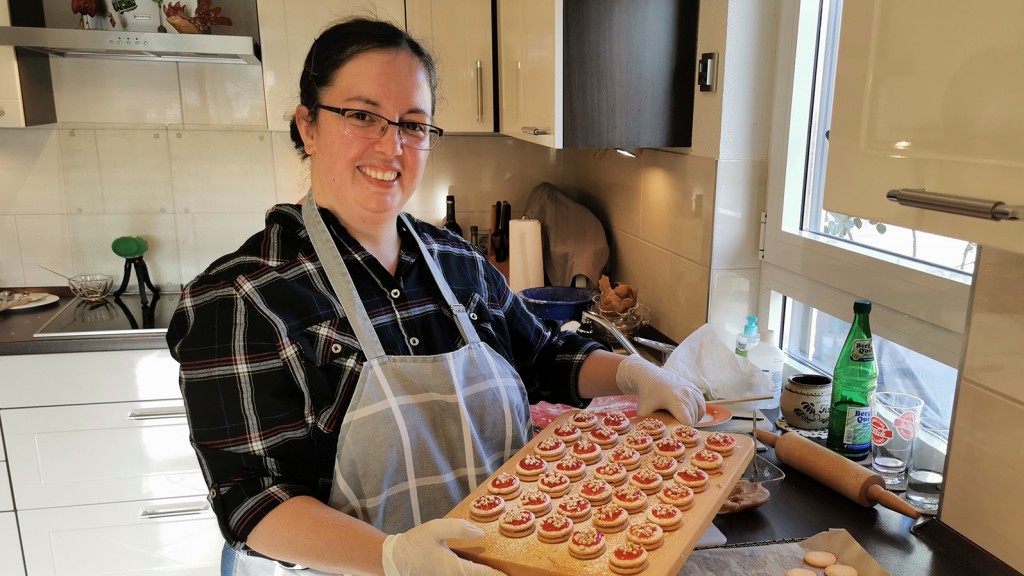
(671, 447)
(616, 421)
(720, 442)
(647, 480)
(629, 497)
(610, 518)
(627, 559)
(707, 460)
(554, 483)
(664, 465)
(603, 436)
(530, 467)
(586, 544)
(677, 495)
(665, 515)
(567, 433)
(819, 558)
(596, 491)
(574, 508)
(487, 508)
(647, 534)
(554, 529)
(517, 523)
(584, 420)
(535, 501)
(638, 440)
(692, 477)
(505, 485)
(688, 435)
(800, 572)
(572, 467)
(629, 458)
(550, 449)
(611, 472)
(586, 450)
(840, 570)
(653, 426)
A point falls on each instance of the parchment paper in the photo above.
(775, 559)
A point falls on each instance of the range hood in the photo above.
(151, 46)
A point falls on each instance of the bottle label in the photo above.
(857, 432)
(862, 351)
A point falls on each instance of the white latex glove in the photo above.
(657, 388)
(422, 551)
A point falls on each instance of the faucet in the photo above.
(587, 329)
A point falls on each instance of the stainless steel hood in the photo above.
(151, 46)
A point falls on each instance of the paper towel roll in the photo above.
(526, 256)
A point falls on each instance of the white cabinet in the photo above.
(928, 96)
(287, 31)
(597, 73)
(458, 34)
(166, 537)
(18, 109)
(11, 563)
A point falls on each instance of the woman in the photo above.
(351, 372)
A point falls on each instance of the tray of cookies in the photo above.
(600, 493)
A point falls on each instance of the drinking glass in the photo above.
(927, 463)
(894, 420)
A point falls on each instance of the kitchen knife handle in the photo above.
(186, 510)
(157, 413)
(479, 92)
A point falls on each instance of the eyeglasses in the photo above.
(372, 126)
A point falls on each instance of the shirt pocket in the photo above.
(480, 314)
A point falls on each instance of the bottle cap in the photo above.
(862, 306)
(751, 328)
(768, 336)
(450, 198)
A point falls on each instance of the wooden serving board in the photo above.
(530, 557)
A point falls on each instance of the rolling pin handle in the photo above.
(767, 437)
(891, 501)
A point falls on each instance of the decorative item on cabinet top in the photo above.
(134, 34)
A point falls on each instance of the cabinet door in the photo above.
(928, 96)
(287, 30)
(168, 537)
(6, 503)
(10, 91)
(458, 32)
(11, 563)
(74, 455)
(530, 56)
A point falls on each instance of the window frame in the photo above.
(920, 311)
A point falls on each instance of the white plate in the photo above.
(46, 299)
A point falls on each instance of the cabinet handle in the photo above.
(479, 92)
(536, 131)
(519, 88)
(157, 413)
(185, 510)
(961, 205)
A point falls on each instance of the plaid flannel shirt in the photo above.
(268, 360)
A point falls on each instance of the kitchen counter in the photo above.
(18, 326)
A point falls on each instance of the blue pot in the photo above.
(559, 303)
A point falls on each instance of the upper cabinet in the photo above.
(928, 98)
(287, 30)
(597, 73)
(458, 34)
(24, 70)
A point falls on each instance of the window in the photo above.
(818, 263)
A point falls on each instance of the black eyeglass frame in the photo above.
(342, 111)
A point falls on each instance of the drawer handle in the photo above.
(963, 206)
(479, 92)
(157, 413)
(189, 510)
(535, 131)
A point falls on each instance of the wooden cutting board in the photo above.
(529, 557)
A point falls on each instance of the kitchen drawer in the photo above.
(87, 378)
(177, 537)
(97, 453)
(11, 563)
(6, 502)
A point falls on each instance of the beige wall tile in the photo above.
(643, 265)
(678, 204)
(689, 290)
(733, 297)
(739, 200)
(614, 182)
(113, 91)
(44, 241)
(11, 271)
(222, 171)
(30, 171)
(202, 238)
(135, 171)
(291, 174)
(92, 234)
(80, 168)
(213, 94)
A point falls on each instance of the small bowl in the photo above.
(91, 286)
(560, 303)
(759, 487)
(627, 322)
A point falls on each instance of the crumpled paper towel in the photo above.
(718, 371)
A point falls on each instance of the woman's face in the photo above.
(366, 182)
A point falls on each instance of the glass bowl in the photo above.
(627, 322)
(754, 488)
(91, 286)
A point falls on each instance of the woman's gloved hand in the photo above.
(657, 388)
(422, 551)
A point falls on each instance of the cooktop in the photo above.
(124, 315)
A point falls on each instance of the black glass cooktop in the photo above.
(124, 315)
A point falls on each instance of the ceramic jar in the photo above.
(806, 401)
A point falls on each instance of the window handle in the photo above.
(960, 205)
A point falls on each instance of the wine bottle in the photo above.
(853, 382)
(449, 219)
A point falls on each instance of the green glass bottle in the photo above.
(853, 382)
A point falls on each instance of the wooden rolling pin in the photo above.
(846, 477)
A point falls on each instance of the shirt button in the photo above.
(472, 315)
(396, 293)
(414, 341)
(336, 348)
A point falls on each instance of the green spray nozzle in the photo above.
(751, 328)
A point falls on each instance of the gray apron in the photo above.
(421, 432)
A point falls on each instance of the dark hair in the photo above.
(339, 44)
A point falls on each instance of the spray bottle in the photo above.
(748, 338)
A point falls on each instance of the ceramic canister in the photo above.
(806, 401)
